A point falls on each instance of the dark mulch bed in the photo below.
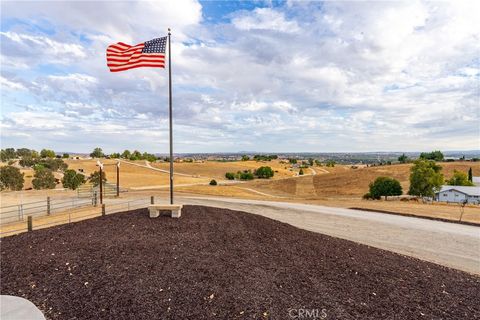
(215, 263)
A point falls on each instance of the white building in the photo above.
(476, 181)
(459, 194)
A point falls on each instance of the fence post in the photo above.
(152, 200)
(103, 209)
(29, 223)
(48, 205)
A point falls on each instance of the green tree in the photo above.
(300, 173)
(292, 161)
(24, 152)
(8, 154)
(45, 153)
(436, 155)
(230, 175)
(425, 178)
(470, 175)
(52, 164)
(330, 163)
(459, 179)
(245, 175)
(213, 182)
(245, 157)
(385, 186)
(310, 161)
(126, 154)
(11, 178)
(115, 155)
(403, 158)
(264, 172)
(136, 155)
(43, 179)
(94, 178)
(97, 153)
(65, 156)
(72, 179)
(27, 162)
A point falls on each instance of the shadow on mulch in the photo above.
(220, 264)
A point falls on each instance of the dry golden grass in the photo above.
(343, 181)
(217, 169)
(132, 176)
(339, 186)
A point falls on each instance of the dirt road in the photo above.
(449, 244)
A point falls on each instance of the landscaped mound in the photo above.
(216, 263)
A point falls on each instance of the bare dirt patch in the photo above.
(215, 263)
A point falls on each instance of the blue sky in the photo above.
(264, 76)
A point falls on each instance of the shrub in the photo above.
(245, 158)
(245, 175)
(368, 196)
(230, 175)
(385, 186)
(264, 172)
(460, 179)
(300, 173)
(213, 182)
(11, 178)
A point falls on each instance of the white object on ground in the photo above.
(16, 308)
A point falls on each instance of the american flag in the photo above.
(121, 56)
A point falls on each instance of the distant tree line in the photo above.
(135, 155)
(263, 157)
(264, 172)
(434, 155)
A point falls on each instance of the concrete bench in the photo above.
(155, 209)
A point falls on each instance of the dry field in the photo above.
(217, 169)
(342, 181)
(132, 176)
(339, 186)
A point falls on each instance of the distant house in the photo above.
(476, 181)
(458, 194)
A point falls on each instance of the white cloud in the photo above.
(346, 76)
(265, 18)
(12, 85)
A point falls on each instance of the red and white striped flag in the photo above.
(121, 56)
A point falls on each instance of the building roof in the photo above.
(471, 191)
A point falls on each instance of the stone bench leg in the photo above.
(154, 213)
(176, 213)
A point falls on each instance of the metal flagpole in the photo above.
(170, 114)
